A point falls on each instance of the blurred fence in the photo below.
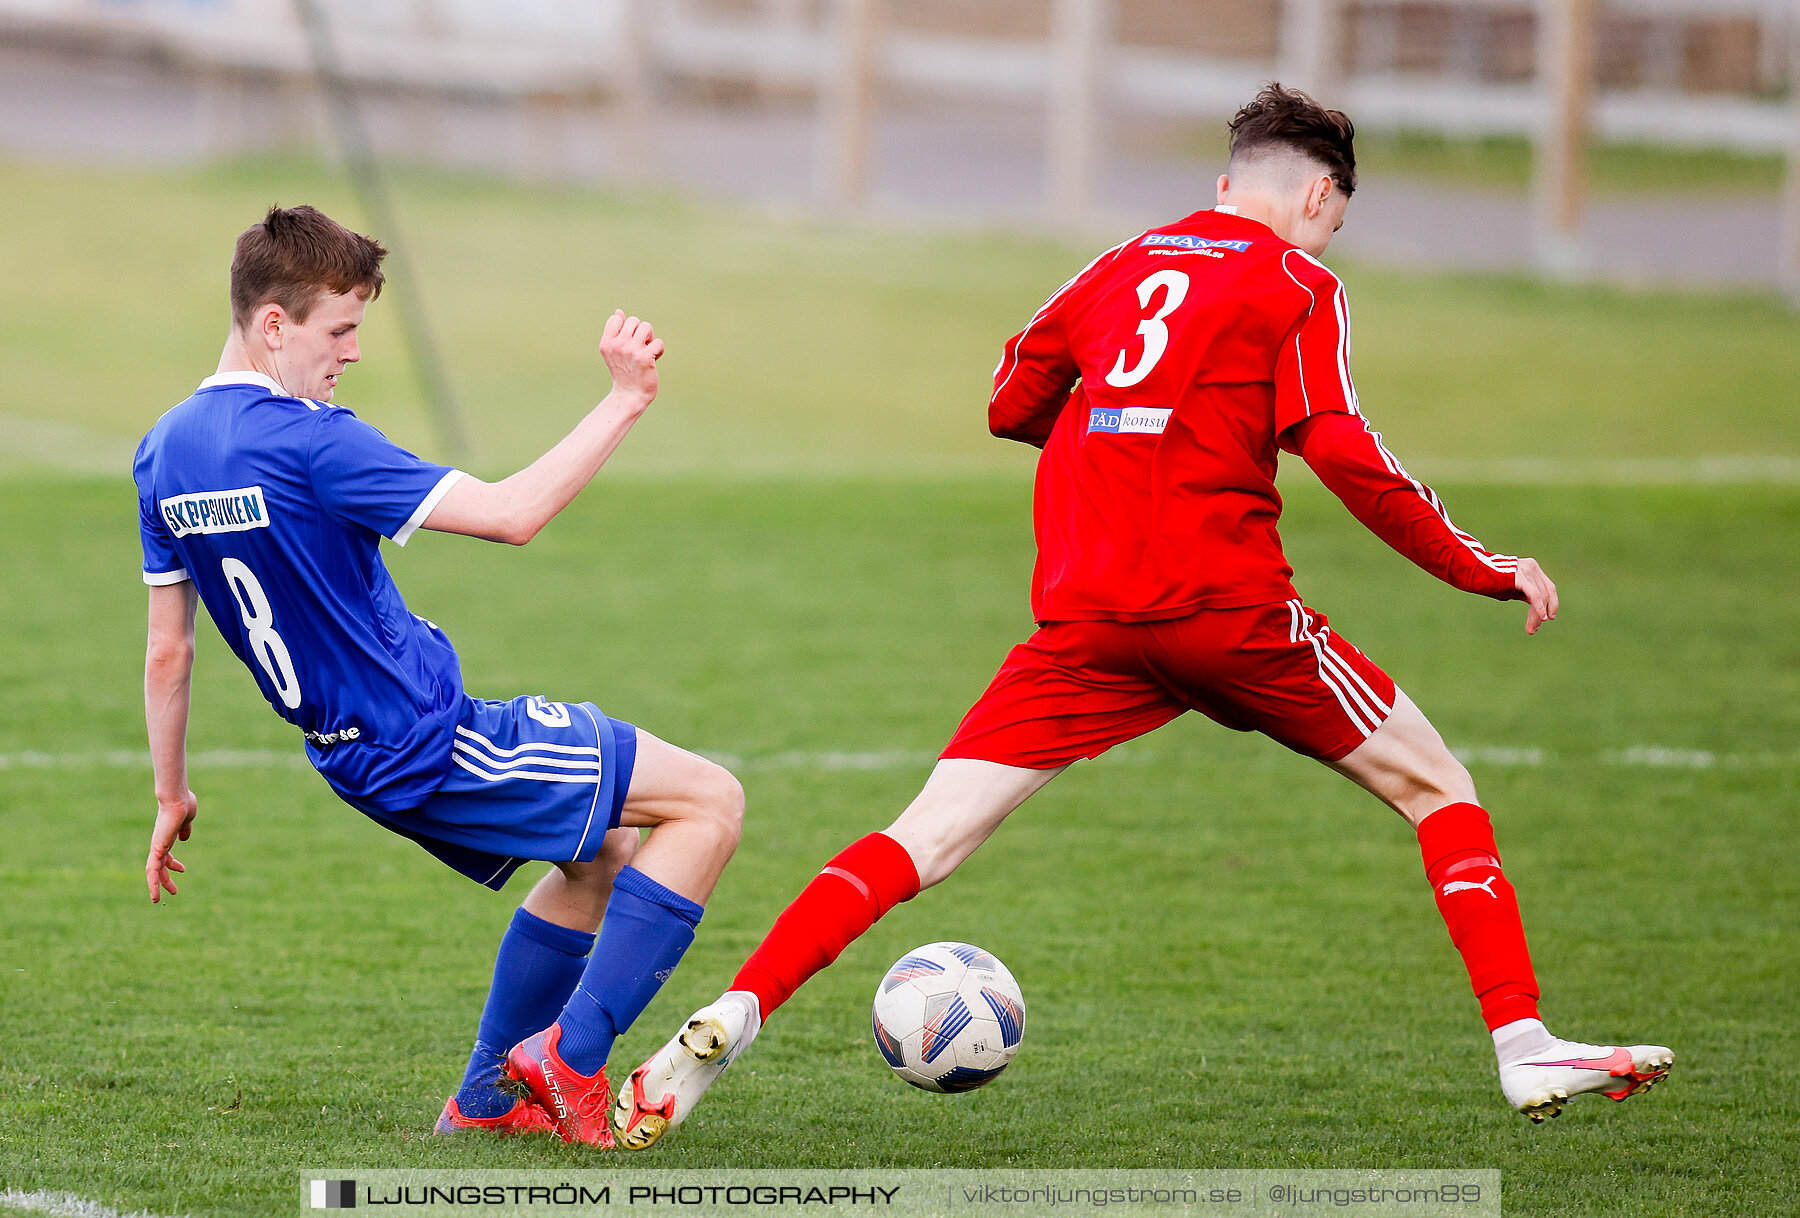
(1701, 73)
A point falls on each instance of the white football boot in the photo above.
(1540, 1073)
(660, 1093)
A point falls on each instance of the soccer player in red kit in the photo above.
(1160, 383)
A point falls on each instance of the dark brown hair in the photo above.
(1287, 118)
(295, 257)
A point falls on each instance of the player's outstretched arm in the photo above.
(1538, 593)
(168, 686)
(514, 509)
(1354, 464)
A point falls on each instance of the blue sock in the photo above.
(642, 938)
(538, 966)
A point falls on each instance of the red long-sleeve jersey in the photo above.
(1160, 383)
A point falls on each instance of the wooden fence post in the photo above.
(847, 102)
(631, 142)
(1081, 37)
(1787, 271)
(1308, 50)
(1565, 73)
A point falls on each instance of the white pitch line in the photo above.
(63, 1205)
(1493, 755)
(27, 444)
(64, 446)
(1610, 471)
(1729, 469)
(128, 759)
(796, 759)
(1641, 756)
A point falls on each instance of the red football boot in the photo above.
(523, 1117)
(579, 1105)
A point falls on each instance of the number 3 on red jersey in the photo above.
(1154, 333)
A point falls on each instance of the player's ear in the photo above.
(1224, 187)
(1316, 194)
(269, 321)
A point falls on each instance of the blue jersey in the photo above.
(274, 506)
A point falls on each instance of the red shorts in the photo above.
(1075, 689)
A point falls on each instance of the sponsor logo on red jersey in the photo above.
(1183, 241)
(1131, 421)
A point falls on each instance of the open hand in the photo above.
(1532, 586)
(173, 821)
(630, 348)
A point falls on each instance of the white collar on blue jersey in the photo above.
(245, 378)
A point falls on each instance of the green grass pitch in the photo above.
(1229, 955)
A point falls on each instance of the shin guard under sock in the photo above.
(537, 968)
(646, 930)
(855, 889)
(1456, 843)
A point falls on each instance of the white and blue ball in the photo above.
(948, 1017)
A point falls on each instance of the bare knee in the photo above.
(1437, 786)
(1420, 781)
(616, 851)
(934, 855)
(1406, 765)
(963, 802)
(594, 875)
(598, 873)
(716, 801)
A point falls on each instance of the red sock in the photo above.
(1479, 907)
(867, 879)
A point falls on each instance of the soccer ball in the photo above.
(948, 1017)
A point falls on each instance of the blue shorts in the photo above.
(529, 779)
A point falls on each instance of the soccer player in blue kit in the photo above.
(260, 499)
